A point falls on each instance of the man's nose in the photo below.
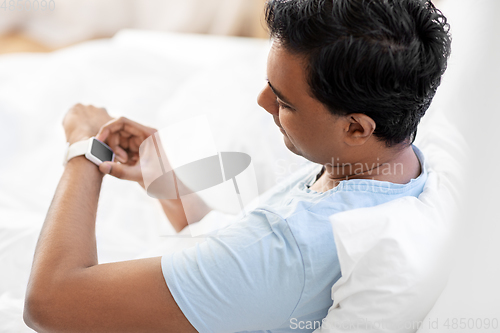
(267, 100)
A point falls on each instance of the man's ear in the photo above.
(359, 128)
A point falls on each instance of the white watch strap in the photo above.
(77, 149)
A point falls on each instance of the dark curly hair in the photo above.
(382, 58)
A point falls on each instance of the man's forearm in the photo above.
(67, 241)
(181, 213)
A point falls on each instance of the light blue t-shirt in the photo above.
(274, 268)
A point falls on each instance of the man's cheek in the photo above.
(286, 123)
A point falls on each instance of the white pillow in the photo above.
(395, 257)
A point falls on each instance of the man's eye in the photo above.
(282, 106)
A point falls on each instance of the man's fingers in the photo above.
(113, 142)
(103, 134)
(134, 143)
(125, 134)
(132, 158)
(120, 154)
(126, 125)
(124, 141)
(124, 137)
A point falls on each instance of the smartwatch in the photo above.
(94, 150)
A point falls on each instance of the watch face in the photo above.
(101, 151)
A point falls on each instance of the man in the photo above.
(348, 82)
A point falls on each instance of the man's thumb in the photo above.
(121, 171)
(110, 168)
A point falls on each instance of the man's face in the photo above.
(309, 129)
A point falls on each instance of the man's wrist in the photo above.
(78, 136)
(84, 165)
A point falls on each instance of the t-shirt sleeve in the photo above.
(248, 276)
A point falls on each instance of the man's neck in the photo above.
(398, 168)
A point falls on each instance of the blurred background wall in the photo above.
(66, 22)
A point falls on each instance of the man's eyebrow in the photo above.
(277, 93)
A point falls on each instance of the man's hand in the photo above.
(124, 136)
(84, 121)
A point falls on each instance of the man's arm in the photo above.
(175, 210)
(68, 291)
